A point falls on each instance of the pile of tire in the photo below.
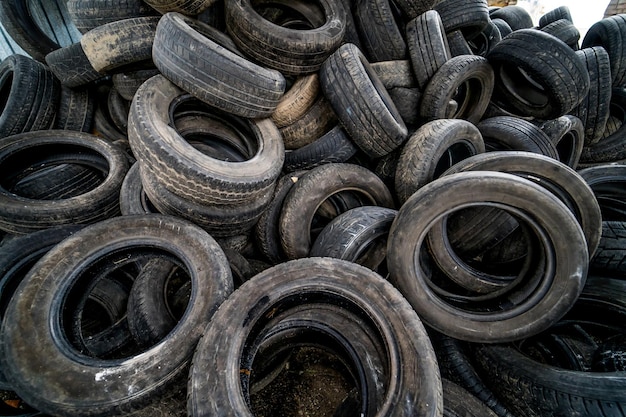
(429, 191)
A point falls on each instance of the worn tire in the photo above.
(427, 45)
(610, 33)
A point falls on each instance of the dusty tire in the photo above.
(427, 45)
(89, 14)
(504, 133)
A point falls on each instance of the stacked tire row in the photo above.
(428, 191)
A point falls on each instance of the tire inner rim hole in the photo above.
(335, 204)
(454, 154)
(296, 15)
(53, 171)
(214, 133)
(521, 85)
(94, 311)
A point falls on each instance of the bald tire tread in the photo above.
(475, 73)
(32, 95)
(89, 14)
(382, 39)
(610, 257)
(288, 50)
(562, 75)
(469, 16)
(544, 390)
(184, 170)
(431, 149)
(508, 133)
(53, 380)
(361, 102)
(333, 146)
(317, 185)
(594, 109)
(427, 45)
(316, 282)
(21, 215)
(610, 33)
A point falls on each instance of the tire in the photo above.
(502, 26)
(537, 75)
(507, 133)
(188, 7)
(392, 74)
(485, 40)
(382, 38)
(266, 231)
(297, 100)
(609, 258)
(547, 390)
(31, 95)
(76, 109)
(38, 27)
(516, 16)
(436, 306)
(94, 386)
(607, 183)
(564, 30)
(17, 257)
(568, 136)
(594, 110)
(358, 235)
(458, 401)
(406, 101)
(332, 147)
(341, 187)
(315, 279)
(427, 45)
(609, 33)
(71, 66)
(361, 102)
(313, 124)
(127, 83)
(45, 148)
(118, 109)
(188, 172)
(561, 12)
(213, 70)
(470, 74)
(89, 14)
(611, 147)
(470, 17)
(133, 199)
(291, 51)
(458, 44)
(413, 8)
(432, 149)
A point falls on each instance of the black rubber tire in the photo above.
(292, 51)
(58, 182)
(38, 28)
(556, 291)
(516, 16)
(507, 133)
(79, 385)
(398, 73)
(17, 257)
(458, 44)
(213, 70)
(219, 220)
(187, 7)
(30, 95)
(314, 123)
(594, 109)
(469, 16)
(427, 45)
(358, 235)
(127, 83)
(361, 102)
(457, 401)
(333, 147)
(607, 182)
(413, 8)
(568, 136)
(502, 26)
(382, 37)
(537, 74)
(266, 231)
(466, 79)
(611, 147)
(315, 280)
(303, 203)
(133, 199)
(406, 101)
(544, 390)
(610, 33)
(76, 109)
(433, 148)
(190, 173)
(564, 30)
(561, 12)
(610, 257)
(485, 40)
(71, 66)
(118, 108)
(52, 147)
(89, 14)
